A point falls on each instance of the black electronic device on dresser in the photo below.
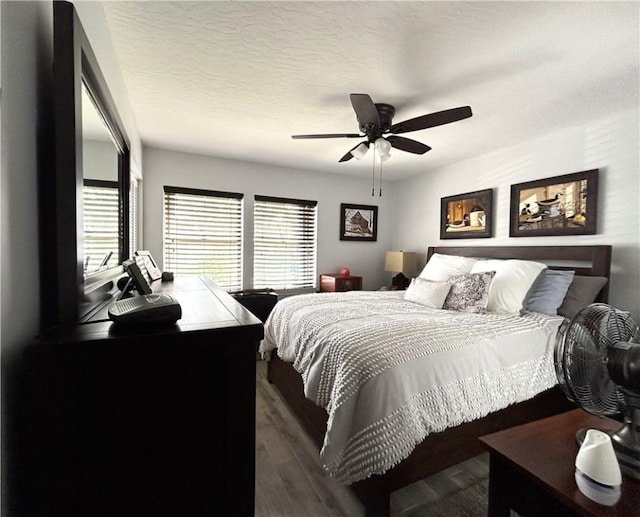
(145, 420)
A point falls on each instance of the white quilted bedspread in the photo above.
(389, 371)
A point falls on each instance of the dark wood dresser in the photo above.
(148, 420)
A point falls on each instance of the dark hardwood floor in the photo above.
(291, 483)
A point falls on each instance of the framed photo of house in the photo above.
(560, 205)
(358, 222)
(467, 216)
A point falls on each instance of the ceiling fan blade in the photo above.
(431, 120)
(406, 144)
(365, 109)
(348, 156)
(337, 135)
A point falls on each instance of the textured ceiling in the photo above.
(237, 79)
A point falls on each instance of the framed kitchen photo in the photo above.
(466, 216)
(560, 205)
(358, 222)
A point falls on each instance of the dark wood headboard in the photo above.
(584, 260)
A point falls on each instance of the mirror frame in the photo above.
(70, 296)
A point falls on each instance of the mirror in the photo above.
(100, 193)
(85, 238)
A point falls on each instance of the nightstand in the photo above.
(531, 470)
(337, 283)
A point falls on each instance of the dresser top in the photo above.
(205, 308)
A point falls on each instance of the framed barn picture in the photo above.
(560, 205)
(466, 216)
(358, 222)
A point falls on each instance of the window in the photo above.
(101, 226)
(284, 241)
(203, 235)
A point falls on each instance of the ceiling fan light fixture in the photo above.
(382, 146)
(360, 151)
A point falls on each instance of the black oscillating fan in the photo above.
(597, 360)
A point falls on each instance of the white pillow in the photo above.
(440, 267)
(511, 282)
(427, 293)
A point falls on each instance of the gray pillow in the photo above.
(548, 291)
(582, 292)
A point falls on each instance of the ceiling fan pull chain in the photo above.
(380, 191)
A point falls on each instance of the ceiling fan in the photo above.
(375, 122)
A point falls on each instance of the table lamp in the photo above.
(400, 262)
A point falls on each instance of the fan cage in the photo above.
(581, 357)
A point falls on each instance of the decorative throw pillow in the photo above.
(582, 292)
(548, 291)
(469, 293)
(427, 293)
(511, 283)
(440, 267)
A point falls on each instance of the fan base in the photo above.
(602, 494)
(626, 446)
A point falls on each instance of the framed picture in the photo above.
(358, 222)
(561, 205)
(466, 216)
(147, 265)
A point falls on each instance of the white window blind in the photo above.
(101, 225)
(203, 235)
(134, 215)
(284, 241)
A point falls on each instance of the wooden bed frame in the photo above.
(441, 450)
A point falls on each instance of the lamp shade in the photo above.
(400, 261)
(360, 151)
(382, 146)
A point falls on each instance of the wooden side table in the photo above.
(330, 283)
(532, 466)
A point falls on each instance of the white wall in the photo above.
(26, 67)
(94, 23)
(365, 259)
(610, 145)
(26, 33)
(99, 160)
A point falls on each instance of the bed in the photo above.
(392, 391)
